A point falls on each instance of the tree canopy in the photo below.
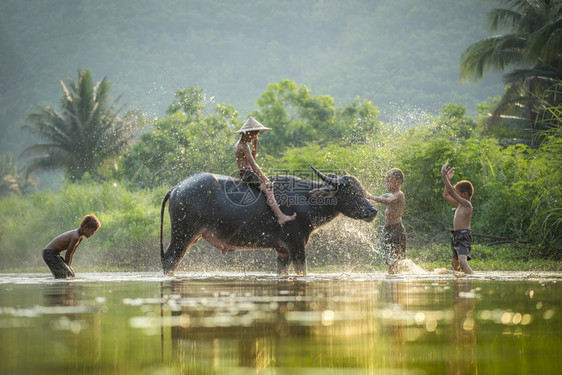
(529, 51)
(300, 118)
(85, 133)
(188, 140)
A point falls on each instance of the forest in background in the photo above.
(517, 188)
(402, 55)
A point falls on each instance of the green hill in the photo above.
(401, 54)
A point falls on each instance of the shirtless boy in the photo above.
(394, 234)
(68, 241)
(250, 172)
(459, 196)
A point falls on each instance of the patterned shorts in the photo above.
(393, 244)
(57, 265)
(461, 243)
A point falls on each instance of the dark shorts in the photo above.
(393, 244)
(461, 243)
(57, 265)
(250, 177)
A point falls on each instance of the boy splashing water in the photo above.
(68, 241)
(393, 244)
(460, 196)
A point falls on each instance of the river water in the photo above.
(324, 323)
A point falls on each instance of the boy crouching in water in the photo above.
(68, 241)
(394, 234)
(459, 196)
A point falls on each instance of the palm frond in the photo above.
(48, 124)
(545, 43)
(500, 18)
(490, 54)
(40, 148)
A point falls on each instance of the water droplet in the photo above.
(507, 317)
(468, 324)
(548, 314)
(328, 318)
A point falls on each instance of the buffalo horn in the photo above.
(330, 180)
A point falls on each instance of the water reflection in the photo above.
(396, 301)
(236, 326)
(75, 321)
(60, 294)
(465, 356)
(268, 325)
(379, 325)
(371, 325)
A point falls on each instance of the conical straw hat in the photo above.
(251, 125)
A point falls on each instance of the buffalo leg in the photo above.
(283, 262)
(180, 243)
(298, 259)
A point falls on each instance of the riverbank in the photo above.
(505, 257)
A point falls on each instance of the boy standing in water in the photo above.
(250, 172)
(393, 242)
(68, 241)
(459, 196)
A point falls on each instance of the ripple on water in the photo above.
(46, 278)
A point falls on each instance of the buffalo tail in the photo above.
(162, 222)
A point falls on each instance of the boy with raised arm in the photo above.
(393, 243)
(460, 196)
(250, 172)
(68, 241)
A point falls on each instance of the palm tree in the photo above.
(12, 180)
(84, 134)
(532, 50)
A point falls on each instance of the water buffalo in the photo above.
(231, 215)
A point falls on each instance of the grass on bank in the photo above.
(510, 257)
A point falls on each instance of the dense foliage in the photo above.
(188, 140)
(301, 118)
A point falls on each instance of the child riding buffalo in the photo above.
(250, 172)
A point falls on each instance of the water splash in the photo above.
(404, 115)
